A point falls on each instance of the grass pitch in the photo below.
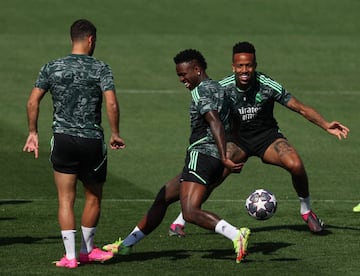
(313, 54)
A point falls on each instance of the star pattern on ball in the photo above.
(260, 204)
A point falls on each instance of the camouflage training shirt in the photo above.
(76, 83)
(207, 96)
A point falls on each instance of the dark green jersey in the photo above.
(207, 96)
(76, 83)
(252, 110)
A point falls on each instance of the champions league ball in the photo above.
(261, 204)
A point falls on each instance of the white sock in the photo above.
(87, 240)
(179, 220)
(134, 237)
(68, 237)
(305, 205)
(226, 229)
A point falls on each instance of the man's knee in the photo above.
(295, 166)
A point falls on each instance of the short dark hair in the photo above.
(244, 47)
(189, 55)
(82, 28)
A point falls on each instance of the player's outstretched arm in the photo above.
(334, 128)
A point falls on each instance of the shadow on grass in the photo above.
(304, 228)
(172, 255)
(218, 254)
(292, 227)
(25, 240)
(342, 227)
(266, 248)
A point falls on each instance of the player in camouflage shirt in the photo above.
(77, 84)
(207, 96)
(204, 162)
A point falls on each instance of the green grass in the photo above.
(311, 47)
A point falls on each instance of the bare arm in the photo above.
(33, 109)
(218, 132)
(335, 128)
(113, 113)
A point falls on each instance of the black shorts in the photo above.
(87, 158)
(255, 142)
(201, 168)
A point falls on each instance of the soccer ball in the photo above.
(261, 204)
